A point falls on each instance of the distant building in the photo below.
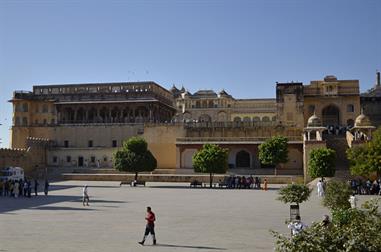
(86, 123)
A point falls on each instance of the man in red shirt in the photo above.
(150, 227)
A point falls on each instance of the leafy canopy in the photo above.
(337, 195)
(351, 230)
(366, 158)
(274, 151)
(134, 156)
(294, 193)
(211, 159)
(322, 163)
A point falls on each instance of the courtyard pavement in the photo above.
(198, 219)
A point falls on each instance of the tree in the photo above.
(366, 158)
(134, 157)
(337, 195)
(322, 163)
(294, 193)
(350, 230)
(274, 151)
(211, 159)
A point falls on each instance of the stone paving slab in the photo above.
(200, 219)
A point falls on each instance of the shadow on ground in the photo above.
(8, 204)
(187, 246)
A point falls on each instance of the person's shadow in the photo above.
(186, 246)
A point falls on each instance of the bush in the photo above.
(351, 230)
(337, 195)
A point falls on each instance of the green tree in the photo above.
(351, 230)
(366, 158)
(274, 151)
(337, 195)
(294, 193)
(134, 157)
(322, 163)
(211, 159)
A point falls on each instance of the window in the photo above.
(66, 143)
(311, 109)
(17, 121)
(114, 143)
(25, 107)
(92, 159)
(350, 108)
(24, 121)
(55, 159)
(68, 159)
(90, 143)
(105, 159)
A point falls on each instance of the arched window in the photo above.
(256, 119)
(246, 119)
(265, 119)
(237, 119)
(311, 109)
(25, 107)
(350, 108)
(24, 121)
(17, 121)
(242, 159)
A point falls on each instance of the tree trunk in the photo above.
(136, 176)
(211, 180)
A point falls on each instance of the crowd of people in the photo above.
(366, 187)
(242, 182)
(21, 188)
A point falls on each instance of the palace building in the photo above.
(86, 123)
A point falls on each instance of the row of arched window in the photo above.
(254, 119)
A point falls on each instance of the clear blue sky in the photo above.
(242, 46)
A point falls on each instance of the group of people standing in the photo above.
(242, 182)
(21, 188)
(366, 187)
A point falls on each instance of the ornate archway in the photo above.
(242, 159)
(331, 115)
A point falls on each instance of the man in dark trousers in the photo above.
(150, 227)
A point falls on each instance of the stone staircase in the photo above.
(340, 145)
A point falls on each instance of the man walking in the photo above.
(150, 227)
(85, 196)
(320, 188)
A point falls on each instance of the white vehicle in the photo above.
(12, 173)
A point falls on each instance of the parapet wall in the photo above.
(32, 159)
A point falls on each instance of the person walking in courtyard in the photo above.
(353, 200)
(85, 196)
(46, 187)
(320, 188)
(265, 184)
(296, 226)
(150, 227)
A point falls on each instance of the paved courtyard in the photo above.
(187, 219)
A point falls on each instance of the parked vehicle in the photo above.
(12, 173)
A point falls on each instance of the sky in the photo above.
(241, 46)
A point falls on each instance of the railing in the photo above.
(232, 139)
(197, 125)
